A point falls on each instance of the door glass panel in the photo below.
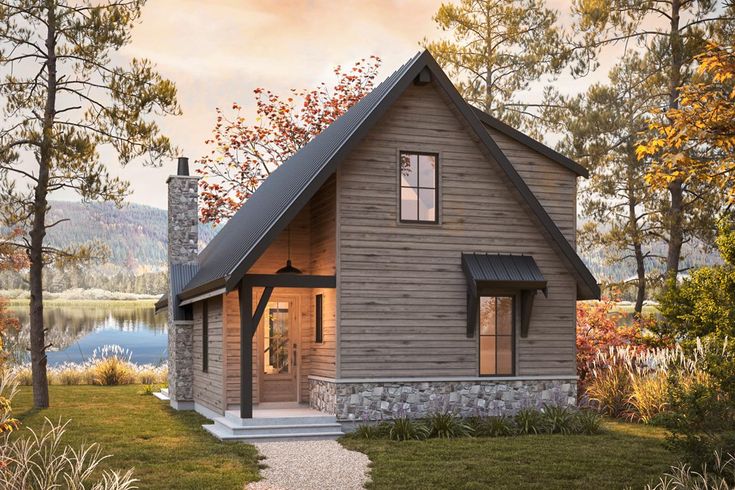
(505, 315)
(487, 315)
(505, 355)
(487, 355)
(276, 355)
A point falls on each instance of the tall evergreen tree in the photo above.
(63, 99)
(671, 33)
(496, 49)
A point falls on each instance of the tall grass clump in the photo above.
(109, 365)
(446, 425)
(625, 382)
(719, 476)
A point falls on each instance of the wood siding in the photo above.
(208, 387)
(402, 294)
(553, 185)
(312, 251)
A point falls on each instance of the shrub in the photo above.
(529, 421)
(608, 387)
(495, 427)
(719, 476)
(558, 419)
(68, 374)
(701, 396)
(405, 429)
(587, 422)
(446, 425)
(42, 458)
(371, 431)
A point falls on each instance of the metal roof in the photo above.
(179, 276)
(526, 140)
(488, 269)
(290, 187)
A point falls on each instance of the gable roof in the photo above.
(289, 188)
(526, 140)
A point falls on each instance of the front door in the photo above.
(278, 375)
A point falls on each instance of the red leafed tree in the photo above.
(242, 154)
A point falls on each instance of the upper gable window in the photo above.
(419, 197)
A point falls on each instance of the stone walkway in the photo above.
(307, 465)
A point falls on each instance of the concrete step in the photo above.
(164, 391)
(161, 395)
(221, 433)
(286, 419)
(276, 429)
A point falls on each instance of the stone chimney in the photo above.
(183, 248)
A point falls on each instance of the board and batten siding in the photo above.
(402, 293)
(208, 387)
(553, 185)
(312, 251)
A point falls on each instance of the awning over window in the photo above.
(511, 274)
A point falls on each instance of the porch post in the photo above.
(246, 350)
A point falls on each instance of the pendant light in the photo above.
(288, 268)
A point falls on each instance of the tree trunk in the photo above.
(635, 232)
(38, 230)
(676, 188)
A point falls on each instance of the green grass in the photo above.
(167, 449)
(625, 455)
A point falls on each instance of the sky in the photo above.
(218, 51)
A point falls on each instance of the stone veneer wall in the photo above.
(386, 400)
(183, 248)
(181, 363)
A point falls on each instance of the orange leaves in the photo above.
(696, 142)
(242, 155)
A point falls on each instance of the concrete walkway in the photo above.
(307, 465)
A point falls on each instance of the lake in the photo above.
(76, 329)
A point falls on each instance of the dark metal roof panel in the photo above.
(502, 268)
(242, 233)
(526, 140)
(179, 277)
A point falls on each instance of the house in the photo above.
(417, 255)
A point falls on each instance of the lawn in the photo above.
(167, 449)
(625, 455)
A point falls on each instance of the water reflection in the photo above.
(76, 330)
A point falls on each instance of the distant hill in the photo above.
(135, 234)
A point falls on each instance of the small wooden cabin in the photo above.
(418, 255)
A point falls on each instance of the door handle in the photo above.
(294, 355)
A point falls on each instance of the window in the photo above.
(205, 336)
(496, 335)
(419, 175)
(318, 327)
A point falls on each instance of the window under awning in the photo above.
(507, 273)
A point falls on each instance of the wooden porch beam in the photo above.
(261, 307)
(290, 281)
(245, 296)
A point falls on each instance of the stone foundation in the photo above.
(322, 395)
(181, 361)
(382, 400)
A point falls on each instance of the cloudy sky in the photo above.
(218, 51)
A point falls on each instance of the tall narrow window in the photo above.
(205, 335)
(496, 335)
(418, 186)
(318, 318)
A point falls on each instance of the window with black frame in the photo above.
(496, 335)
(419, 187)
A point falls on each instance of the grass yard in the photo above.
(167, 449)
(625, 455)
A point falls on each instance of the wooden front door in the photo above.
(279, 351)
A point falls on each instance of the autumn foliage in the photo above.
(243, 154)
(696, 141)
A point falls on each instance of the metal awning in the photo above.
(514, 274)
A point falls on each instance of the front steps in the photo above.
(162, 395)
(273, 424)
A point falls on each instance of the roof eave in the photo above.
(533, 144)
